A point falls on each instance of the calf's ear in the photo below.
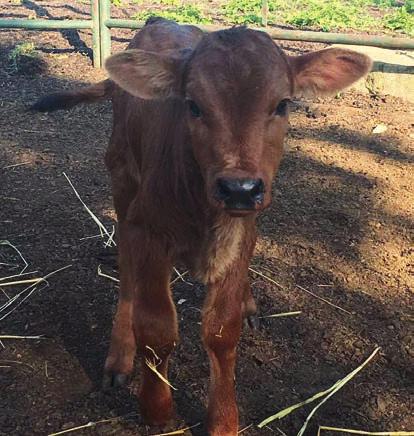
(327, 71)
(146, 74)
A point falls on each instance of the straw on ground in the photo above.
(9, 244)
(375, 433)
(29, 290)
(280, 315)
(103, 230)
(179, 431)
(266, 277)
(91, 424)
(100, 273)
(323, 299)
(328, 392)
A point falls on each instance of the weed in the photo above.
(25, 49)
(243, 11)
(402, 20)
(182, 13)
(330, 15)
(25, 59)
(325, 15)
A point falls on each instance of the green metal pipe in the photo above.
(96, 34)
(45, 24)
(299, 35)
(124, 24)
(104, 16)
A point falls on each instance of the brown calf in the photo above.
(199, 124)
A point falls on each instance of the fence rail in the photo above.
(101, 24)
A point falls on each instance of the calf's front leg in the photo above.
(146, 320)
(221, 327)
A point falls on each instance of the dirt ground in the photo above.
(340, 226)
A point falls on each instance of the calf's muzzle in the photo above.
(240, 193)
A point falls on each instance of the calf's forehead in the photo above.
(238, 62)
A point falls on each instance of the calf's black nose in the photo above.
(239, 193)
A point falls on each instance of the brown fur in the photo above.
(164, 165)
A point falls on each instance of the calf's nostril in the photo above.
(257, 191)
(223, 191)
(258, 187)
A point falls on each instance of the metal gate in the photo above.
(101, 24)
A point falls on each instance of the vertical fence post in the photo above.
(105, 32)
(96, 39)
(265, 12)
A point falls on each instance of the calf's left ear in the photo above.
(327, 71)
(146, 74)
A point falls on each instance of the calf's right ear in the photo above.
(146, 74)
(327, 71)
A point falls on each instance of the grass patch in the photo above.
(23, 50)
(243, 12)
(402, 20)
(396, 16)
(175, 10)
(331, 15)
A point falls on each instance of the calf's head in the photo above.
(236, 85)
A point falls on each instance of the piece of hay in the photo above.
(323, 299)
(100, 273)
(375, 433)
(153, 367)
(328, 392)
(101, 227)
(280, 315)
(4, 242)
(266, 277)
(91, 424)
(179, 431)
(30, 289)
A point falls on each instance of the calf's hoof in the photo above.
(252, 321)
(113, 380)
(156, 411)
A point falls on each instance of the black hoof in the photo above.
(253, 322)
(114, 380)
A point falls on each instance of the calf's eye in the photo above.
(194, 109)
(282, 108)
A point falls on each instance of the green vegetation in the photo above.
(175, 10)
(331, 15)
(243, 11)
(25, 49)
(402, 20)
(395, 16)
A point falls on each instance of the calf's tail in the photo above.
(68, 99)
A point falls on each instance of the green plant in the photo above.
(182, 13)
(242, 11)
(328, 15)
(25, 49)
(402, 19)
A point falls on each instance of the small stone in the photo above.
(379, 128)
(359, 344)
(381, 404)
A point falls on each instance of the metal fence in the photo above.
(101, 24)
